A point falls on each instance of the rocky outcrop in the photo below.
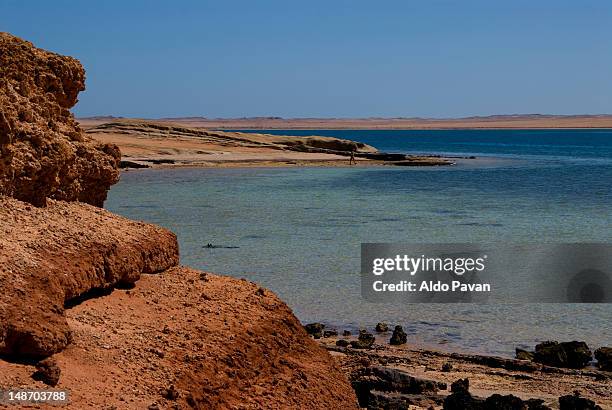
(158, 130)
(604, 358)
(572, 355)
(364, 341)
(383, 387)
(315, 329)
(55, 256)
(575, 402)
(399, 337)
(43, 152)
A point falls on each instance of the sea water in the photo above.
(298, 231)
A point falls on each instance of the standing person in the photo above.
(352, 158)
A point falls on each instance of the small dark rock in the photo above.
(460, 385)
(387, 400)
(153, 406)
(365, 340)
(330, 333)
(575, 402)
(315, 329)
(170, 393)
(47, 371)
(572, 355)
(382, 327)
(522, 354)
(536, 404)
(399, 337)
(508, 402)
(462, 400)
(604, 358)
(447, 367)
(342, 343)
(204, 277)
(390, 380)
(346, 333)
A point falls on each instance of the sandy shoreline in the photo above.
(487, 374)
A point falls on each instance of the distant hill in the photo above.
(504, 121)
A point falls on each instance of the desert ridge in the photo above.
(513, 121)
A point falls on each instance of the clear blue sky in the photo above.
(329, 58)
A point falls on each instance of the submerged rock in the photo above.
(573, 355)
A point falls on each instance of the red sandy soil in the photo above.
(222, 342)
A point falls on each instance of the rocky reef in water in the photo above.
(95, 303)
(43, 152)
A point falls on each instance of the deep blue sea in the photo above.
(298, 231)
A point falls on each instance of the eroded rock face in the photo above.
(43, 152)
(52, 256)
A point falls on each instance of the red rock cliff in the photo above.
(43, 152)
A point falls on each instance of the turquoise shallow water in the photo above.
(298, 231)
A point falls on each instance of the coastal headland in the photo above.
(147, 143)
